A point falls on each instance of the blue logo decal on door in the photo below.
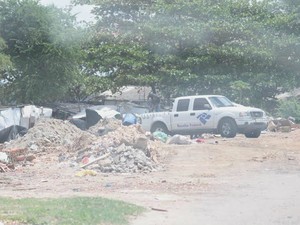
(203, 117)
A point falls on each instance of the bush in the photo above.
(289, 107)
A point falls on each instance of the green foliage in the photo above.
(289, 107)
(199, 46)
(229, 39)
(84, 86)
(5, 62)
(44, 47)
(240, 90)
(247, 50)
(68, 211)
(119, 59)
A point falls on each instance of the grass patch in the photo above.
(67, 211)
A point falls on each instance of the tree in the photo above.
(44, 47)
(115, 49)
(206, 45)
(199, 46)
(5, 62)
(289, 108)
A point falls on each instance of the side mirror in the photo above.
(207, 106)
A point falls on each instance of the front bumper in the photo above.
(252, 126)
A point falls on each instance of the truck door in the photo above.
(201, 114)
(180, 118)
(192, 114)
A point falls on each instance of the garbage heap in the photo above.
(282, 125)
(126, 149)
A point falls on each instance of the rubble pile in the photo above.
(123, 149)
(282, 125)
(4, 166)
(50, 135)
(128, 150)
(105, 126)
(124, 134)
(125, 159)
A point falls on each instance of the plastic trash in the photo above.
(200, 140)
(129, 119)
(158, 135)
(179, 140)
(3, 157)
(85, 173)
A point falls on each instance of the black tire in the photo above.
(159, 127)
(253, 134)
(227, 128)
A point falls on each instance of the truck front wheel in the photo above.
(159, 127)
(253, 134)
(227, 128)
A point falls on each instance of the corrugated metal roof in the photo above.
(128, 93)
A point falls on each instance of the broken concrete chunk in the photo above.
(3, 157)
(141, 143)
(25, 158)
(34, 147)
(121, 148)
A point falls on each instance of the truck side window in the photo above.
(183, 105)
(199, 104)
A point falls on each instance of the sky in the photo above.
(83, 12)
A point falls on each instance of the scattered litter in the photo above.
(160, 210)
(200, 140)
(129, 119)
(85, 173)
(85, 160)
(213, 142)
(179, 140)
(96, 160)
(3, 157)
(158, 135)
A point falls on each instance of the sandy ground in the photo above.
(219, 182)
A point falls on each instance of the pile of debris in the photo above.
(10, 157)
(122, 149)
(105, 126)
(121, 159)
(50, 135)
(127, 149)
(4, 160)
(282, 125)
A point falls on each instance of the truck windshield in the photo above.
(221, 102)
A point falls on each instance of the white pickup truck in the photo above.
(193, 115)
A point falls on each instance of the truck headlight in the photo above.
(244, 114)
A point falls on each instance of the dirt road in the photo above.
(222, 181)
(253, 198)
(250, 182)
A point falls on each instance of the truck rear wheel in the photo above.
(227, 128)
(253, 134)
(159, 127)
